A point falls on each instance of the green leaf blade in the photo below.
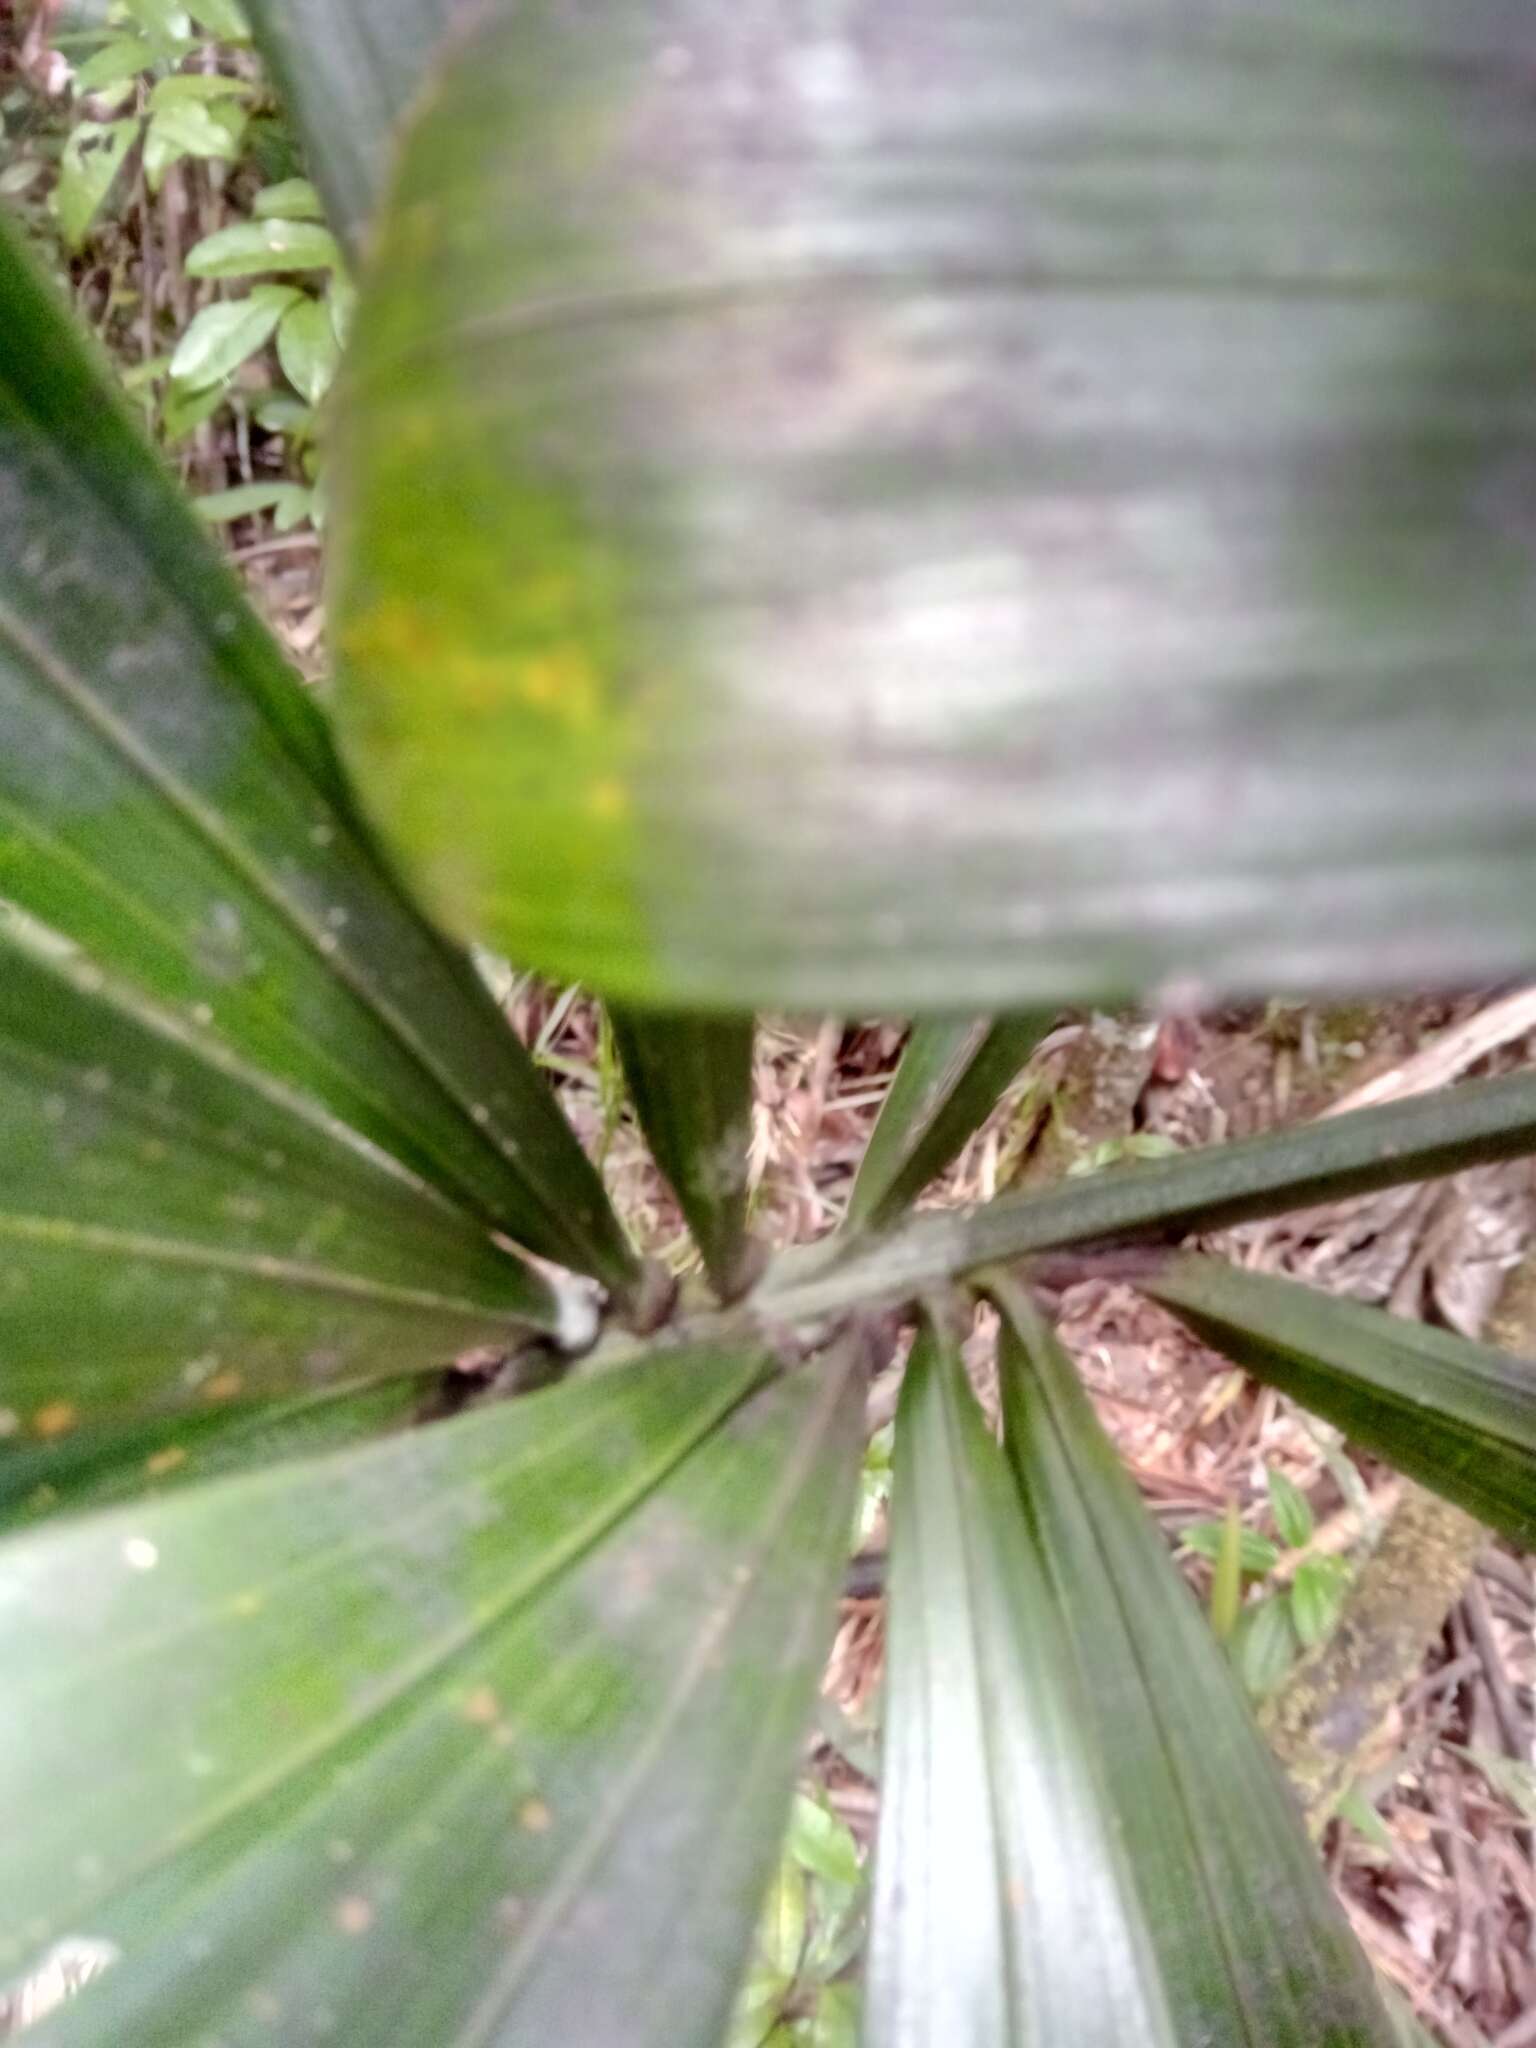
(1210, 1188)
(1459, 1417)
(940, 1929)
(290, 502)
(348, 73)
(257, 247)
(171, 802)
(223, 336)
(308, 349)
(950, 1077)
(289, 199)
(191, 127)
(691, 1083)
(86, 1470)
(1291, 1510)
(1227, 1577)
(858, 714)
(580, 1614)
(183, 88)
(113, 63)
(93, 155)
(1256, 1554)
(176, 1230)
(1172, 1825)
(222, 18)
(1317, 1597)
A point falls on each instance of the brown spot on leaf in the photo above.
(481, 1706)
(57, 1418)
(223, 1386)
(535, 1817)
(158, 1463)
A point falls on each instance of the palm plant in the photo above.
(937, 509)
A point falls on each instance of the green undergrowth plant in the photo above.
(162, 96)
(944, 518)
(299, 301)
(1271, 1597)
(151, 87)
(797, 1992)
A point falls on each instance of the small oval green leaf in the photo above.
(223, 336)
(94, 153)
(308, 349)
(1288, 1504)
(254, 247)
(289, 199)
(1317, 1597)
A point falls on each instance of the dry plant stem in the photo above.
(1325, 1722)
(170, 248)
(206, 181)
(1506, 1707)
(145, 211)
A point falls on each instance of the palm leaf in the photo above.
(1082, 1837)
(169, 800)
(349, 69)
(1458, 1416)
(1207, 1189)
(946, 1086)
(177, 1229)
(1026, 503)
(409, 1723)
(85, 1469)
(690, 1080)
